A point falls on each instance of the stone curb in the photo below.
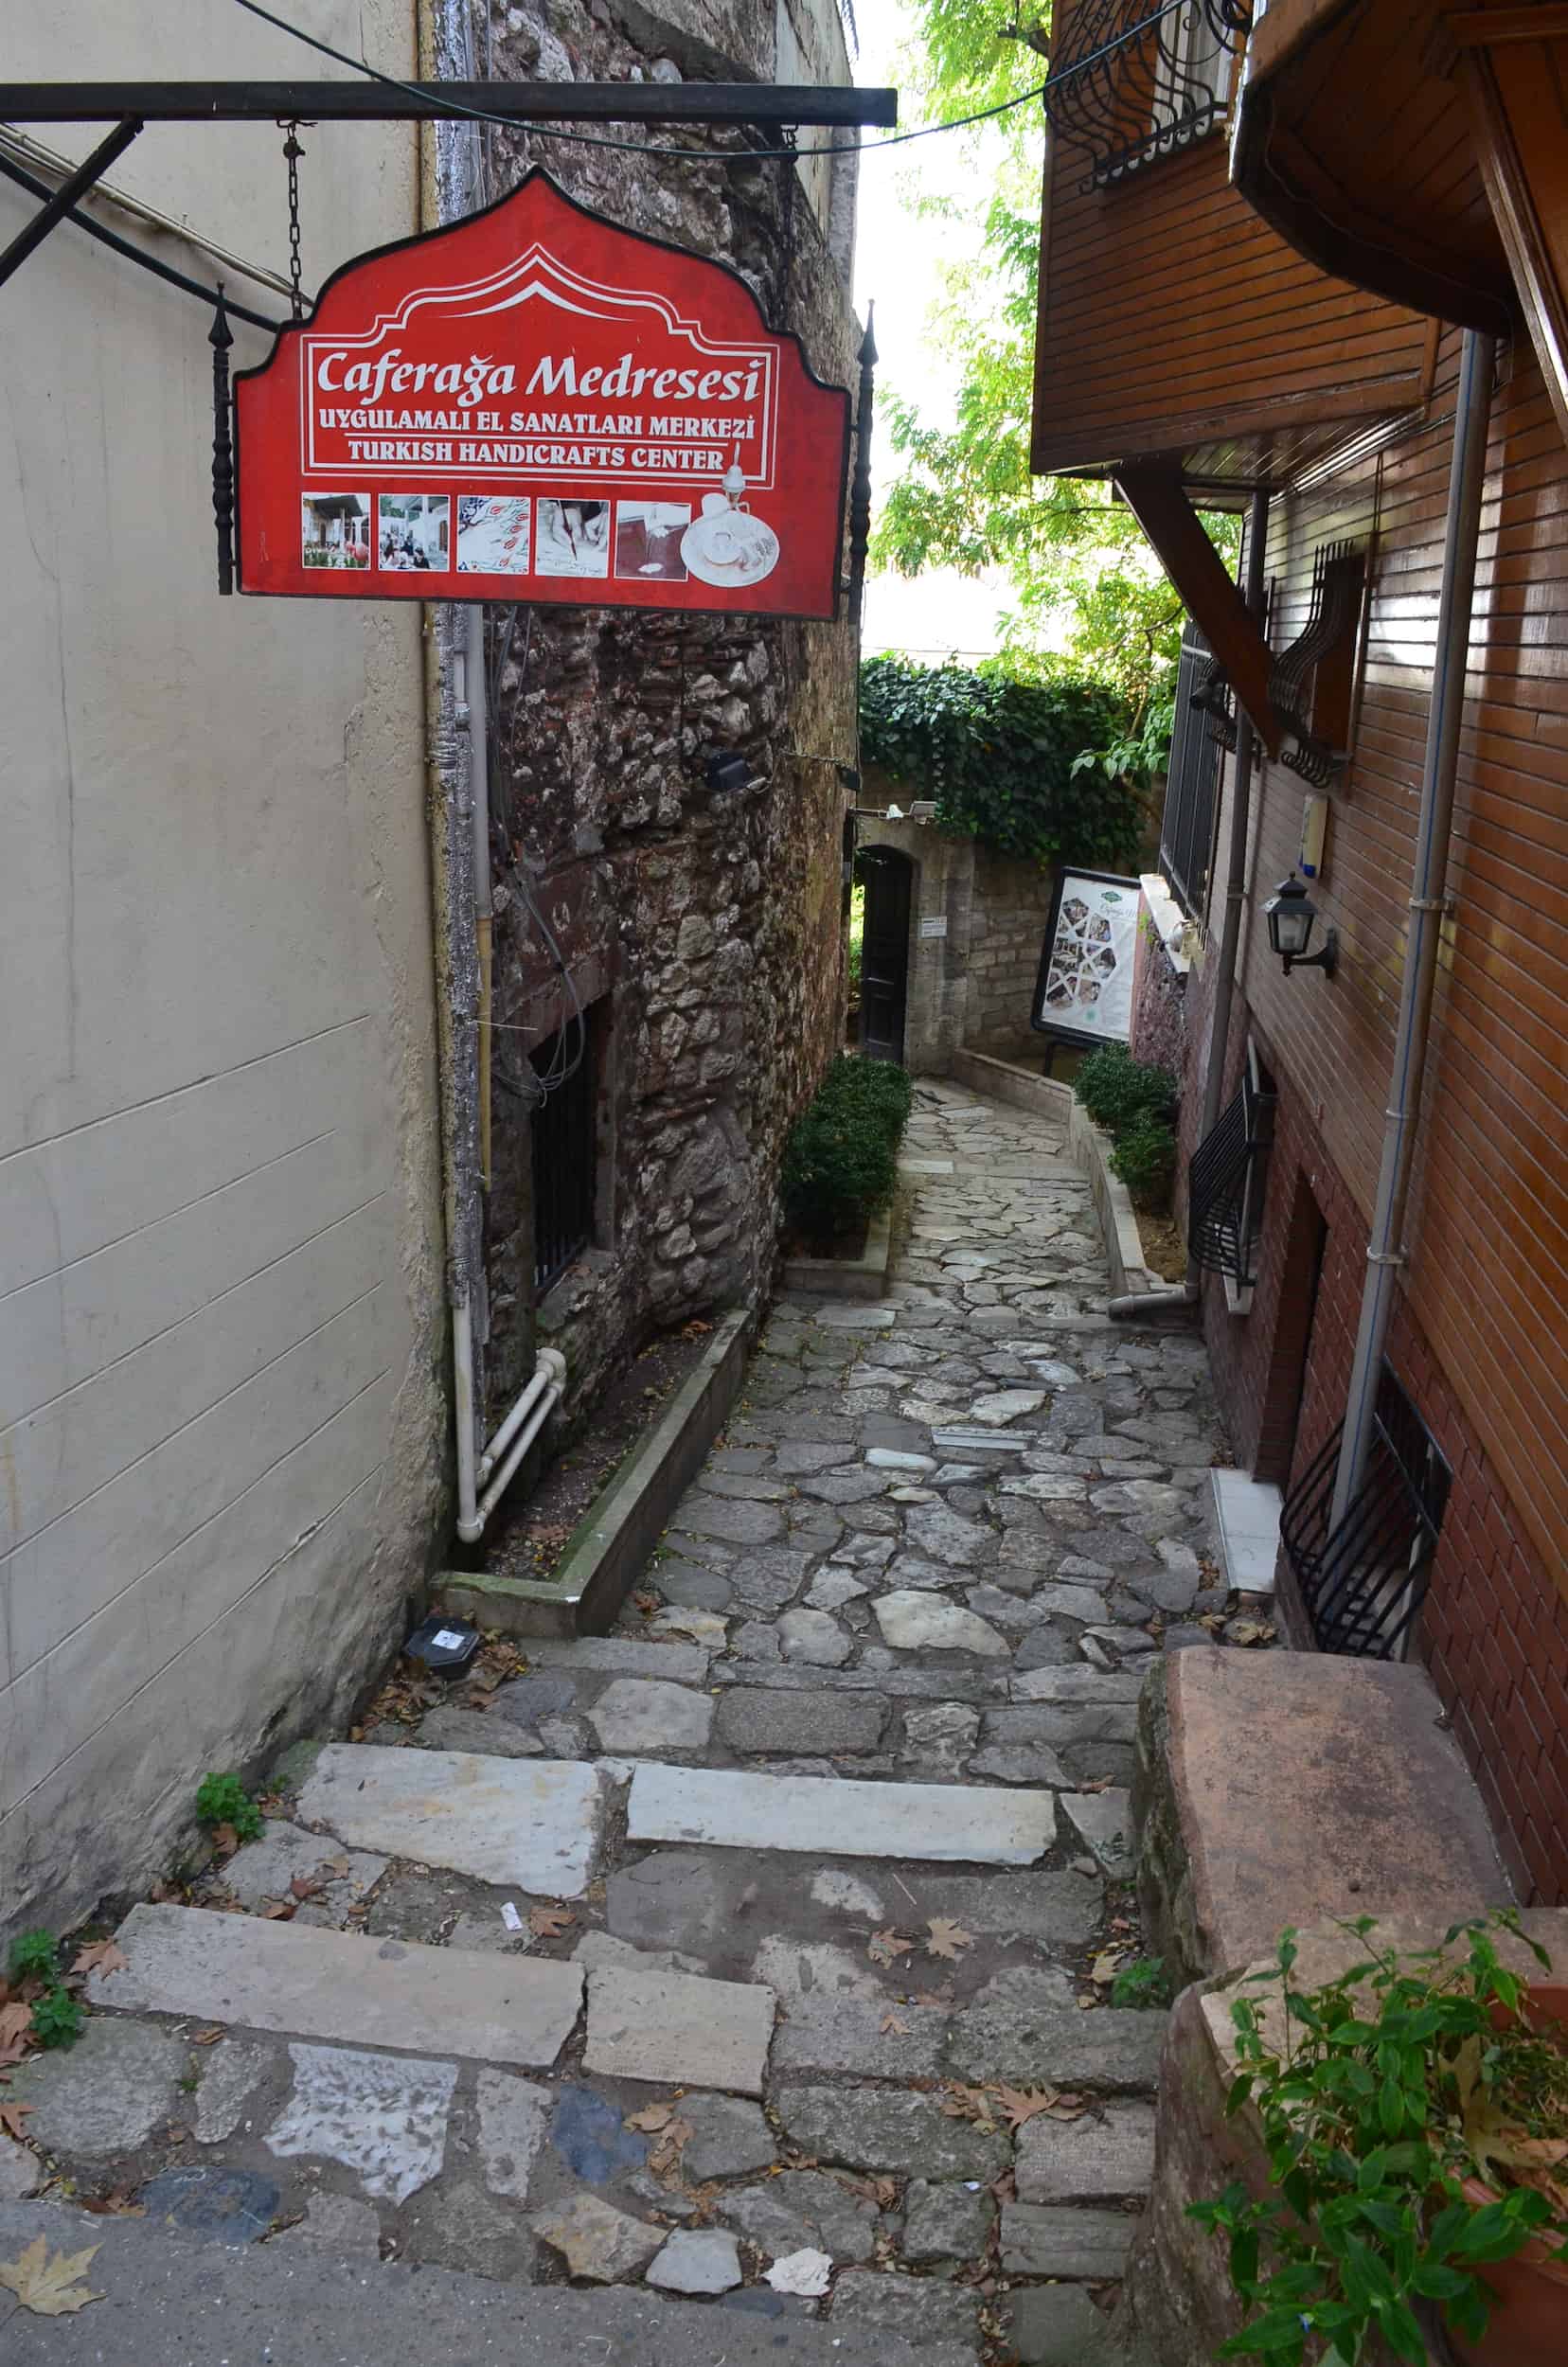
(1113, 1205)
(862, 1278)
(621, 1528)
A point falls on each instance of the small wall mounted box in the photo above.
(1314, 836)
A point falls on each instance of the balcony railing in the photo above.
(1133, 82)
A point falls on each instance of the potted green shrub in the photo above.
(1413, 2112)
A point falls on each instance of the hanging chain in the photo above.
(292, 153)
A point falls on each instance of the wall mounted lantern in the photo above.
(1291, 916)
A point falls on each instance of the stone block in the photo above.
(1040, 2241)
(672, 2028)
(1096, 2159)
(382, 2116)
(107, 2093)
(800, 2211)
(935, 1821)
(534, 1823)
(917, 2309)
(1108, 2050)
(1058, 2325)
(729, 2138)
(514, 2119)
(946, 2221)
(597, 2242)
(697, 2260)
(872, 2128)
(1288, 1788)
(640, 1714)
(864, 2036)
(913, 1621)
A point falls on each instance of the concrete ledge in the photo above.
(626, 1519)
(1113, 1205)
(861, 1278)
(983, 1074)
(1276, 1788)
(1246, 1515)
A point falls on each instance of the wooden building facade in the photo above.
(1292, 268)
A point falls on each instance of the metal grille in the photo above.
(1187, 826)
(1362, 1585)
(1225, 1182)
(1137, 79)
(563, 1133)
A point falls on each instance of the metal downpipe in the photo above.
(1440, 764)
(1139, 1305)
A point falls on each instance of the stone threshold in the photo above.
(616, 1535)
(861, 1278)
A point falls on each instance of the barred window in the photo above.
(564, 1152)
(1192, 780)
(1362, 1583)
(1226, 1182)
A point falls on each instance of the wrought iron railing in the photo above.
(1192, 779)
(1225, 1182)
(562, 1127)
(1338, 577)
(1134, 80)
(1363, 1584)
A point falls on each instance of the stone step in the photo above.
(309, 1984)
(533, 1823)
(164, 2295)
(644, 2023)
(941, 1823)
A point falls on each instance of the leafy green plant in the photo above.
(1378, 2094)
(1144, 1982)
(1120, 1092)
(34, 1956)
(56, 2018)
(841, 1161)
(224, 1800)
(1145, 1159)
(996, 753)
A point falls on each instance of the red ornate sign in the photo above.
(534, 404)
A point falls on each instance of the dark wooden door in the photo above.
(885, 952)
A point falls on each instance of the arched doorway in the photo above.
(884, 950)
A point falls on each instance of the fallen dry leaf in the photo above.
(334, 1868)
(665, 2155)
(934, 1997)
(306, 1886)
(1022, 2104)
(1105, 1966)
(651, 2116)
(45, 2285)
(119, 2205)
(547, 1923)
(10, 2116)
(98, 1956)
(15, 2030)
(279, 1910)
(885, 1947)
(947, 1937)
(966, 2104)
(891, 2026)
(208, 2037)
(226, 1839)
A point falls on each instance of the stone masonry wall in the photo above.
(1012, 906)
(701, 928)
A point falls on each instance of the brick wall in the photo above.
(1013, 905)
(1159, 1032)
(1494, 1632)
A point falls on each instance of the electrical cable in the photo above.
(454, 107)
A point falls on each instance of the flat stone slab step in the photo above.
(534, 1823)
(169, 2296)
(941, 1823)
(676, 2029)
(312, 1983)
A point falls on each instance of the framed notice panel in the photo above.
(1084, 993)
(535, 404)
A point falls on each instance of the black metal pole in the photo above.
(65, 197)
(379, 102)
(860, 485)
(219, 337)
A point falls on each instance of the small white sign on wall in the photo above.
(935, 926)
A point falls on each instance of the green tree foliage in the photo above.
(999, 755)
(1084, 579)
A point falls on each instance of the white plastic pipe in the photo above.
(1429, 871)
(544, 1405)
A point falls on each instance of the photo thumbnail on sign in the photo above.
(414, 531)
(574, 538)
(647, 540)
(334, 531)
(493, 534)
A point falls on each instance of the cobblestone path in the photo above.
(798, 1899)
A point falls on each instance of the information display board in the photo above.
(1084, 993)
(536, 405)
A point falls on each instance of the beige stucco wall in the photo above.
(220, 1412)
